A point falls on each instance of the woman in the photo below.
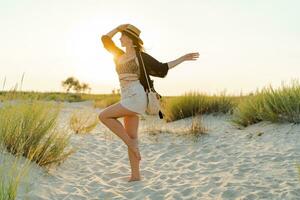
(133, 88)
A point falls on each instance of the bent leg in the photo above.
(109, 116)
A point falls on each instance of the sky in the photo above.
(244, 45)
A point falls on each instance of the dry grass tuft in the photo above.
(83, 122)
(197, 127)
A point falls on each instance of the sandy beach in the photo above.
(225, 75)
(258, 162)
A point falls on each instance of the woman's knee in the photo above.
(102, 116)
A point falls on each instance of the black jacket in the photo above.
(153, 67)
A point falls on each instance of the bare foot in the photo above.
(134, 179)
(135, 149)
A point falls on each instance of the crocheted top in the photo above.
(128, 70)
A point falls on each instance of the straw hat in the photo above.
(133, 31)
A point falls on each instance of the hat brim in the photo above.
(140, 41)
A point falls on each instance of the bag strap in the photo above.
(145, 72)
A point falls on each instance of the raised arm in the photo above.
(189, 56)
(109, 44)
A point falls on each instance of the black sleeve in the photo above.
(154, 67)
(110, 46)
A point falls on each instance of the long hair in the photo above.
(138, 46)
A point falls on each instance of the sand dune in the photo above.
(227, 163)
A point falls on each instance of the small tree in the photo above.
(85, 86)
(77, 87)
(69, 83)
(73, 83)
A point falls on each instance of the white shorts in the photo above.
(133, 97)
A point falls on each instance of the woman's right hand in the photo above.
(116, 30)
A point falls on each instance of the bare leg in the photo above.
(109, 118)
(131, 126)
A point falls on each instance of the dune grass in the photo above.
(54, 96)
(107, 101)
(29, 129)
(11, 175)
(193, 103)
(269, 104)
(83, 121)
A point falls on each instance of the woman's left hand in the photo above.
(190, 56)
